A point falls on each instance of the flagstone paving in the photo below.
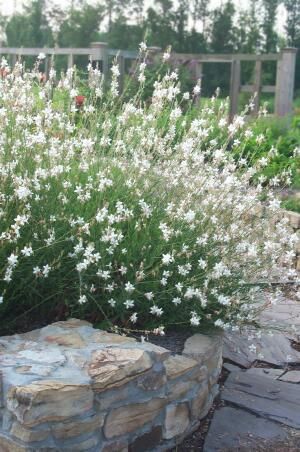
(259, 407)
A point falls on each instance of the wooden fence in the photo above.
(285, 77)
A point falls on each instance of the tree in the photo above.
(29, 29)
(268, 25)
(81, 27)
(223, 31)
(293, 21)
(200, 12)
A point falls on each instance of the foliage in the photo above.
(132, 213)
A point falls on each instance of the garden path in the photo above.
(260, 399)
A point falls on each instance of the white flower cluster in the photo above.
(142, 215)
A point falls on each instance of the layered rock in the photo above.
(71, 387)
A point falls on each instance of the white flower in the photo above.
(129, 287)
(149, 295)
(112, 302)
(159, 331)
(133, 317)
(195, 319)
(167, 259)
(37, 271)
(155, 310)
(46, 270)
(202, 263)
(82, 299)
(143, 47)
(129, 304)
(27, 251)
(41, 56)
(176, 300)
(12, 260)
(1, 299)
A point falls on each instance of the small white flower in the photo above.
(176, 300)
(129, 304)
(155, 310)
(112, 302)
(133, 317)
(27, 251)
(149, 295)
(167, 259)
(82, 299)
(129, 287)
(41, 56)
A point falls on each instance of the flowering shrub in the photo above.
(133, 214)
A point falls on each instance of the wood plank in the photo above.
(235, 83)
(257, 85)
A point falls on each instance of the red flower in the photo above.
(79, 101)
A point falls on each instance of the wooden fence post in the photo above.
(70, 60)
(99, 53)
(285, 80)
(121, 63)
(235, 83)
(257, 85)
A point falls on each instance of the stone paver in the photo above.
(232, 428)
(274, 400)
(248, 347)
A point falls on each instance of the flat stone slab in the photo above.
(284, 314)
(292, 376)
(232, 428)
(249, 346)
(274, 400)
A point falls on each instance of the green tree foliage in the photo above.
(268, 25)
(29, 29)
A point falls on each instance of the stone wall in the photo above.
(294, 220)
(69, 387)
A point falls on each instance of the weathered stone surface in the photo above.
(72, 339)
(71, 323)
(265, 372)
(113, 367)
(10, 445)
(28, 435)
(157, 353)
(44, 401)
(69, 429)
(231, 367)
(35, 369)
(112, 398)
(233, 429)
(204, 349)
(291, 377)
(275, 400)
(177, 365)
(83, 446)
(177, 420)
(180, 389)
(270, 348)
(152, 381)
(148, 441)
(102, 337)
(199, 401)
(131, 417)
(120, 446)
